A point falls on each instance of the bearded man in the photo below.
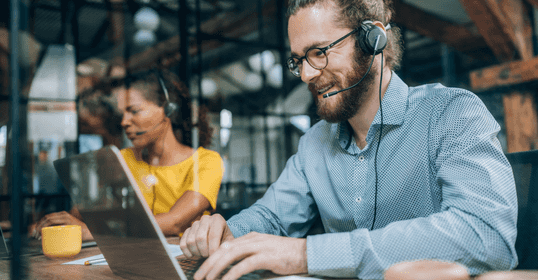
(395, 173)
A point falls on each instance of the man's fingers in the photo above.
(228, 253)
(192, 247)
(202, 238)
(243, 267)
(183, 243)
(215, 236)
(216, 263)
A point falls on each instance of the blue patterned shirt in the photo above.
(445, 189)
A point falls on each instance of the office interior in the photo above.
(232, 55)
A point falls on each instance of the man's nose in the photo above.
(308, 73)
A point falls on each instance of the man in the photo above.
(436, 185)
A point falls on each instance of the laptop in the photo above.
(105, 193)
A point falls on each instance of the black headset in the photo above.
(368, 34)
(373, 40)
(169, 107)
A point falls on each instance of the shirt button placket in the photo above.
(358, 199)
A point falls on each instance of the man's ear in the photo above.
(379, 24)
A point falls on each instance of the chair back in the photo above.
(525, 167)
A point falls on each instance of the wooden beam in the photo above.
(521, 122)
(116, 19)
(457, 36)
(498, 23)
(4, 79)
(30, 46)
(509, 73)
(490, 22)
(520, 28)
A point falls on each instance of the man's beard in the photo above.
(349, 100)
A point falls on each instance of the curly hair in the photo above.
(148, 84)
(354, 12)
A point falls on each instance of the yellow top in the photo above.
(172, 181)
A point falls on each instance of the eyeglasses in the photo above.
(316, 57)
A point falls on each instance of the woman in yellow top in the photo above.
(179, 183)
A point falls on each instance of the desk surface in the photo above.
(42, 267)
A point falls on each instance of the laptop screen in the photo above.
(105, 193)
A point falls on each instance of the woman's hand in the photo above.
(61, 218)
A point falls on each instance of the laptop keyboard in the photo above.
(190, 266)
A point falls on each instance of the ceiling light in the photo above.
(225, 118)
(253, 82)
(255, 61)
(274, 77)
(144, 38)
(209, 87)
(147, 19)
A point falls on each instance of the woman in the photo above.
(161, 157)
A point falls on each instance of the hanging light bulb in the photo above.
(144, 38)
(146, 19)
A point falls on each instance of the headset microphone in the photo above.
(356, 84)
(146, 131)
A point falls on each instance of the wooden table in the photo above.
(42, 267)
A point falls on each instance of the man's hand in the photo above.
(60, 218)
(204, 237)
(255, 251)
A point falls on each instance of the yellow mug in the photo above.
(61, 241)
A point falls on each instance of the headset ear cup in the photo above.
(367, 37)
(170, 109)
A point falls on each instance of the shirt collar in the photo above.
(394, 102)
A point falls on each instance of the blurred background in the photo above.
(231, 55)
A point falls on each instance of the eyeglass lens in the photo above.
(315, 57)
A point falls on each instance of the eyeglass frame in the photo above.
(324, 50)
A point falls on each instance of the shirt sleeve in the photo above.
(286, 209)
(476, 224)
(210, 172)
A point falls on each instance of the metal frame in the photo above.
(256, 44)
(15, 163)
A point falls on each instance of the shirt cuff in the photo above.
(330, 255)
(236, 229)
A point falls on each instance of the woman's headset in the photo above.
(169, 107)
